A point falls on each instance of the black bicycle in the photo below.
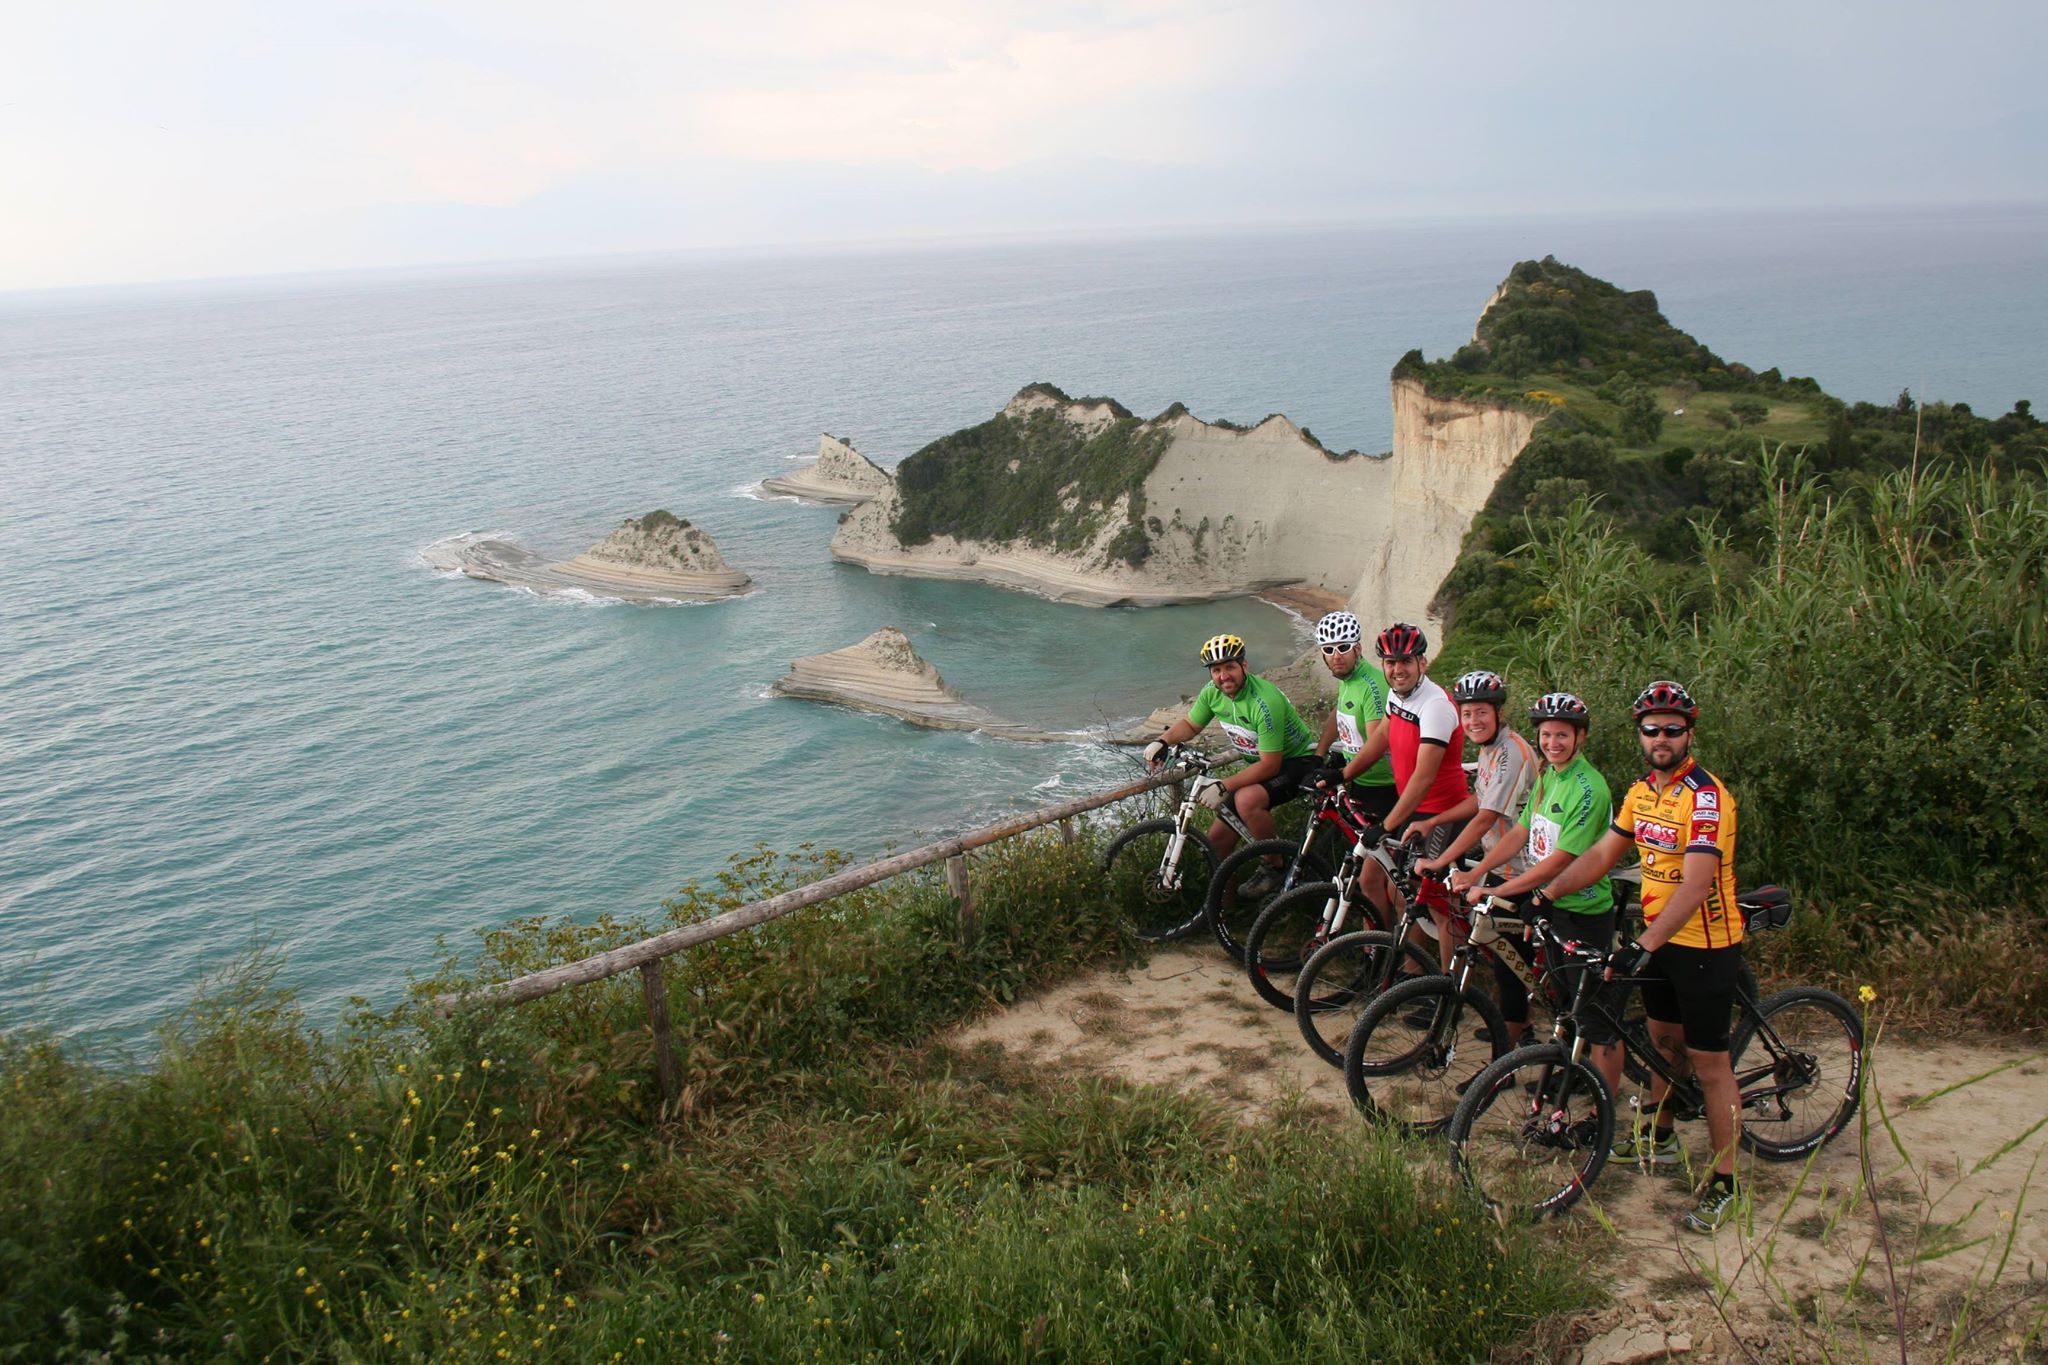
(1293, 928)
(1235, 898)
(1160, 870)
(1347, 973)
(1534, 1127)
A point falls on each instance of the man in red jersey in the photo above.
(1427, 745)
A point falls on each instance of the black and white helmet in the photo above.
(1480, 685)
(1339, 628)
(1560, 706)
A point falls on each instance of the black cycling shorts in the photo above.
(1286, 784)
(1594, 931)
(1378, 802)
(1433, 843)
(1694, 988)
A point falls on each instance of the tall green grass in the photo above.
(1873, 691)
(835, 1183)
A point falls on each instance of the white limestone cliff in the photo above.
(840, 475)
(1241, 510)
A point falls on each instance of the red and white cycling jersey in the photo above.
(1427, 716)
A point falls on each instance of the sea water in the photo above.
(235, 707)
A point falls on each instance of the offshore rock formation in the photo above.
(1227, 510)
(658, 558)
(884, 673)
(840, 475)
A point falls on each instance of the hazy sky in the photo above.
(225, 137)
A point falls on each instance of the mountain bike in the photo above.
(1347, 973)
(1160, 870)
(1333, 825)
(1290, 930)
(1534, 1127)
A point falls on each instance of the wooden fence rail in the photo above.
(647, 954)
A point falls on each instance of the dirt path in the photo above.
(1187, 1019)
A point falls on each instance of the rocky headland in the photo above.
(840, 476)
(1080, 501)
(655, 559)
(885, 674)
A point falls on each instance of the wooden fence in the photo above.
(647, 955)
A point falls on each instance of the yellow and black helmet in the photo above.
(1222, 649)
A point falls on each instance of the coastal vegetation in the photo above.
(1664, 432)
(1038, 477)
(833, 1182)
(1868, 657)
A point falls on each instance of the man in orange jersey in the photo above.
(1681, 819)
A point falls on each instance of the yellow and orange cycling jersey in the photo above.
(1695, 814)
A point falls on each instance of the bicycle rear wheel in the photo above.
(1232, 912)
(1286, 936)
(1336, 985)
(1416, 1050)
(1159, 908)
(1530, 1152)
(1799, 1068)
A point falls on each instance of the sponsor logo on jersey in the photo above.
(1656, 834)
(1707, 799)
(1708, 830)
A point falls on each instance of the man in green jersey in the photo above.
(1264, 729)
(1568, 809)
(1360, 711)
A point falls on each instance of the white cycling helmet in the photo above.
(1339, 628)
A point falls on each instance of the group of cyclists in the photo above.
(1543, 822)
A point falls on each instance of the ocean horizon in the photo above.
(241, 710)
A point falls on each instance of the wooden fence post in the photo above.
(956, 882)
(654, 985)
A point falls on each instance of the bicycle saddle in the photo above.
(1765, 907)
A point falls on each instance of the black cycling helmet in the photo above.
(1480, 685)
(1222, 649)
(1664, 695)
(1402, 641)
(1560, 706)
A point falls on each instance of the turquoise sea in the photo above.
(234, 706)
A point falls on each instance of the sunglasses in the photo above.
(1668, 731)
(1338, 649)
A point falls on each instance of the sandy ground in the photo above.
(1187, 1019)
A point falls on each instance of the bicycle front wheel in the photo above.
(1287, 934)
(1159, 902)
(1233, 909)
(1336, 985)
(1532, 1132)
(1799, 1069)
(1417, 1048)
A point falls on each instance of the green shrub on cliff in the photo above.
(1038, 478)
(1663, 432)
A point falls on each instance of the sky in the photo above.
(148, 141)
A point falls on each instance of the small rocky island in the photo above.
(655, 559)
(841, 476)
(883, 673)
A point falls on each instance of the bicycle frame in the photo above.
(1419, 895)
(1591, 998)
(1197, 765)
